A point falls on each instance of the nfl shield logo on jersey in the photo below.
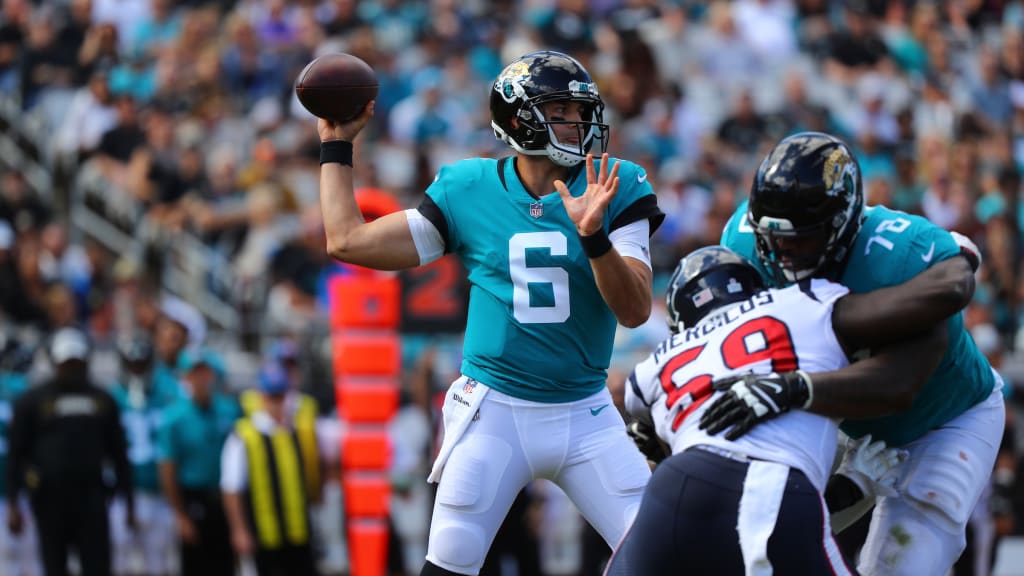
(536, 209)
(469, 386)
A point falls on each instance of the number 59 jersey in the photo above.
(775, 330)
(538, 327)
(893, 247)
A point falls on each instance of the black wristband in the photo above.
(595, 245)
(336, 151)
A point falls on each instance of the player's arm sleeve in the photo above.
(639, 396)
(432, 226)
(639, 200)
(907, 310)
(429, 242)
(633, 241)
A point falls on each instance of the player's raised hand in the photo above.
(587, 211)
(333, 130)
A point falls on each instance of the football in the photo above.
(336, 86)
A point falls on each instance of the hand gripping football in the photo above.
(336, 86)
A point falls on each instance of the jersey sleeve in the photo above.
(928, 245)
(893, 247)
(435, 209)
(635, 199)
(641, 388)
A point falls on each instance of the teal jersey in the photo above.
(141, 417)
(538, 328)
(893, 247)
(11, 385)
(166, 385)
(192, 437)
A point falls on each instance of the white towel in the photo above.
(763, 489)
(461, 404)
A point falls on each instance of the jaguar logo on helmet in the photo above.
(838, 166)
(510, 82)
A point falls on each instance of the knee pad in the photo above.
(621, 468)
(459, 547)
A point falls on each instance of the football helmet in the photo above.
(705, 280)
(806, 207)
(541, 77)
(135, 352)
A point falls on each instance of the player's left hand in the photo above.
(870, 466)
(587, 211)
(750, 399)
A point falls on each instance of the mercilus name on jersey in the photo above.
(713, 322)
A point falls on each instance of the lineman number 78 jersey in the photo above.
(775, 330)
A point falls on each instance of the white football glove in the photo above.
(872, 466)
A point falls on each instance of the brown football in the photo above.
(336, 86)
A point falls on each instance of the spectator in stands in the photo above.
(90, 115)
(44, 68)
(857, 48)
(13, 25)
(16, 305)
(19, 206)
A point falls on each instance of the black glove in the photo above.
(646, 439)
(753, 398)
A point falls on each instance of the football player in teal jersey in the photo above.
(806, 218)
(145, 548)
(555, 243)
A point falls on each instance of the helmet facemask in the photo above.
(792, 255)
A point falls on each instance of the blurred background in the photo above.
(153, 154)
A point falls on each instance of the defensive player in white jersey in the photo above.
(753, 505)
(556, 247)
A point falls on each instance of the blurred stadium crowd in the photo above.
(155, 147)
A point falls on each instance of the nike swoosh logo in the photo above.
(928, 257)
(641, 178)
(596, 411)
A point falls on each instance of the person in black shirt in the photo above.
(62, 434)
